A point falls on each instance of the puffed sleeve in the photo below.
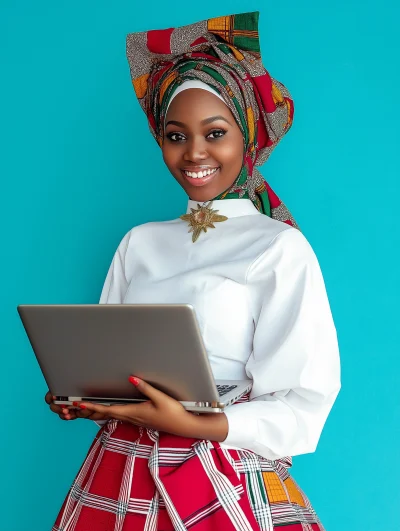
(295, 360)
(116, 284)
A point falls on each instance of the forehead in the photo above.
(197, 104)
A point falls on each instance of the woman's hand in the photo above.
(162, 413)
(70, 413)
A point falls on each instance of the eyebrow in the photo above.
(203, 122)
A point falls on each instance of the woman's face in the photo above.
(203, 146)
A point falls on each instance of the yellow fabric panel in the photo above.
(140, 85)
(218, 24)
(251, 123)
(277, 95)
(238, 54)
(274, 487)
(294, 493)
(166, 83)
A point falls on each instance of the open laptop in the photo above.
(87, 352)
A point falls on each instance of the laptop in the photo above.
(87, 352)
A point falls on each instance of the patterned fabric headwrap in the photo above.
(224, 53)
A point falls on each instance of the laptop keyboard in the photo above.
(223, 389)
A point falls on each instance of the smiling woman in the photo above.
(259, 297)
(203, 146)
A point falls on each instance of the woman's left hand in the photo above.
(160, 412)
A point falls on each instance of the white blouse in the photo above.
(262, 307)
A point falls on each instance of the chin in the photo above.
(201, 196)
(203, 193)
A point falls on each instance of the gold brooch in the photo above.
(202, 218)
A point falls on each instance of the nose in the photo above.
(196, 150)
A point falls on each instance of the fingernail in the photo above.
(134, 380)
(75, 403)
(54, 397)
(82, 406)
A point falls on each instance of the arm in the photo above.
(116, 283)
(295, 363)
(165, 414)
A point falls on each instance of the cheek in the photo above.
(231, 154)
(170, 158)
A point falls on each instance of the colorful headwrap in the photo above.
(224, 53)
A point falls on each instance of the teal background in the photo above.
(79, 169)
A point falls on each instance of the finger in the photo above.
(119, 412)
(48, 398)
(67, 417)
(89, 415)
(84, 413)
(148, 390)
(90, 408)
(56, 408)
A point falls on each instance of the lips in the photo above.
(199, 176)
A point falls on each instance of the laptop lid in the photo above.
(91, 350)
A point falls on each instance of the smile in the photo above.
(201, 177)
(199, 174)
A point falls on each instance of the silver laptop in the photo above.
(87, 352)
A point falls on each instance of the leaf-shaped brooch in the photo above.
(201, 219)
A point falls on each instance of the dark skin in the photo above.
(201, 135)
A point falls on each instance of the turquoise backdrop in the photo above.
(79, 168)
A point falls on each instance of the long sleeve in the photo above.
(116, 284)
(295, 360)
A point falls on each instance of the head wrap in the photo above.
(224, 53)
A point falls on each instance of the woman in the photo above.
(258, 293)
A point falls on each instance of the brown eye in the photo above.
(175, 137)
(217, 133)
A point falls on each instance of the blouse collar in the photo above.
(231, 208)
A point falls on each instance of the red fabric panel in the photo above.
(159, 41)
(273, 198)
(200, 40)
(264, 86)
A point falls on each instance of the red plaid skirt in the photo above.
(135, 479)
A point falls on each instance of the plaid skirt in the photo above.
(135, 479)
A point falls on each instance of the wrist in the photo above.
(209, 426)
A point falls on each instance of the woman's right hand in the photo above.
(70, 413)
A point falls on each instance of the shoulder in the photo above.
(140, 234)
(277, 235)
(286, 249)
(294, 243)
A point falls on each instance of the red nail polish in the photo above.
(134, 380)
(82, 406)
(75, 403)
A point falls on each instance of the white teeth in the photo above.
(200, 174)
